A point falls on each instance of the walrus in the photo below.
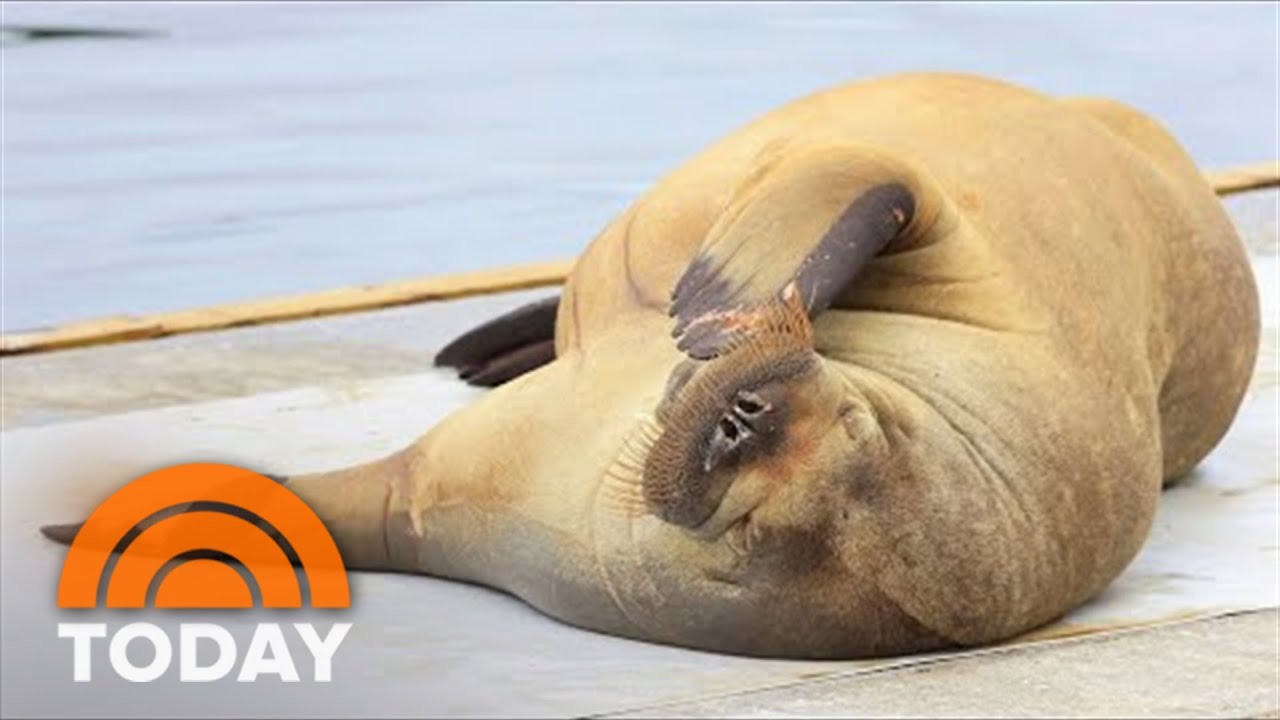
(900, 366)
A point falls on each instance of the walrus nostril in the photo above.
(729, 428)
(730, 432)
(749, 404)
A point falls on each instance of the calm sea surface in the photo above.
(243, 150)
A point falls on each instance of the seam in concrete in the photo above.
(925, 661)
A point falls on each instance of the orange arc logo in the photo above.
(201, 582)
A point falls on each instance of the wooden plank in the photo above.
(1247, 177)
(371, 297)
(310, 305)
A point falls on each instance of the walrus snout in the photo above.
(722, 415)
(729, 415)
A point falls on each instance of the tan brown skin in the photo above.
(967, 443)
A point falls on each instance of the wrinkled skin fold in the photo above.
(902, 365)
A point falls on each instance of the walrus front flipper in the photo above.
(505, 347)
(813, 217)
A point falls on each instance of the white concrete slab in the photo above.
(1222, 667)
(421, 646)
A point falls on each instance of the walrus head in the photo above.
(754, 397)
(751, 415)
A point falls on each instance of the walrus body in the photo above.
(899, 366)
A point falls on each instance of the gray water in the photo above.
(249, 150)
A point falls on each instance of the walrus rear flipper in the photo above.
(810, 221)
(505, 347)
(65, 533)
(351, 503)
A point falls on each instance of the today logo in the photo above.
(173, 539)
